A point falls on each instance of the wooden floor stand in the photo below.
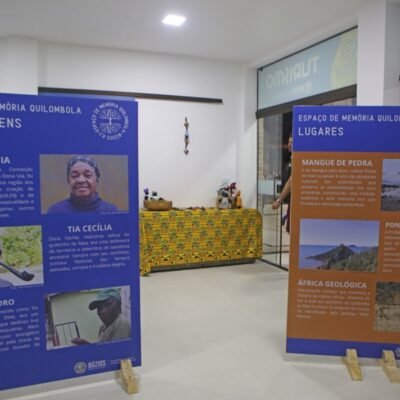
(352, 364)
(128, 378)
(389, 366)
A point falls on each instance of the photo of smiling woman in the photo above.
(90, 180)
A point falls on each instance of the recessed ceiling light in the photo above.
(175, 20)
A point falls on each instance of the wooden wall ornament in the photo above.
(186, 125)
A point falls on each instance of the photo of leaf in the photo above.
(21, 260)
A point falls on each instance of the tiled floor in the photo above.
(219, 334)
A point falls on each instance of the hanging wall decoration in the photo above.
(186, 125)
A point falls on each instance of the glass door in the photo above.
(270, 176)
(273, 169)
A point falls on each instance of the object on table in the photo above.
(157, 205)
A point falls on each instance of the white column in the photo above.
(371, 52)
(391, 94)
(247, 140)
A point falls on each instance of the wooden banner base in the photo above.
(389, 366)
(352, 364)
(128, 378)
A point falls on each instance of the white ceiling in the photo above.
(231, 30)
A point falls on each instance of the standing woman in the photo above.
(285, 191)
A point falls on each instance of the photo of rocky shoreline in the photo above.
(339, 245)
(348, 258)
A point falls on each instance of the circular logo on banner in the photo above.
(80, 367)
(110, 121)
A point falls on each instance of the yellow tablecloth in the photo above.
(173, 238)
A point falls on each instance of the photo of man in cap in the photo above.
(83, 176)
(108, 307)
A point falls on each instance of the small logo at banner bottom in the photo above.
(80, 367)
(110, 121)
(97, 364)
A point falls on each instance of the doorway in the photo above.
(273, 169)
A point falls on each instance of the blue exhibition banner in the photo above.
(344, 275)
(69, 237)
(346, 128)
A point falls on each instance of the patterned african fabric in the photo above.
(186, 237)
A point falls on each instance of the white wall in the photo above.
(214, 129)
(18, 65)
(223, 137)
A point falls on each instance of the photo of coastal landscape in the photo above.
(390, 188)
(338, 245)
(387, 307)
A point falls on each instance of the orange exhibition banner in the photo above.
(344, 268)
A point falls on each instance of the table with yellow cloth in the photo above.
(169, 239)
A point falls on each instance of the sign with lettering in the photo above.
(69, 245)
(326, 66)
(344, 275)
